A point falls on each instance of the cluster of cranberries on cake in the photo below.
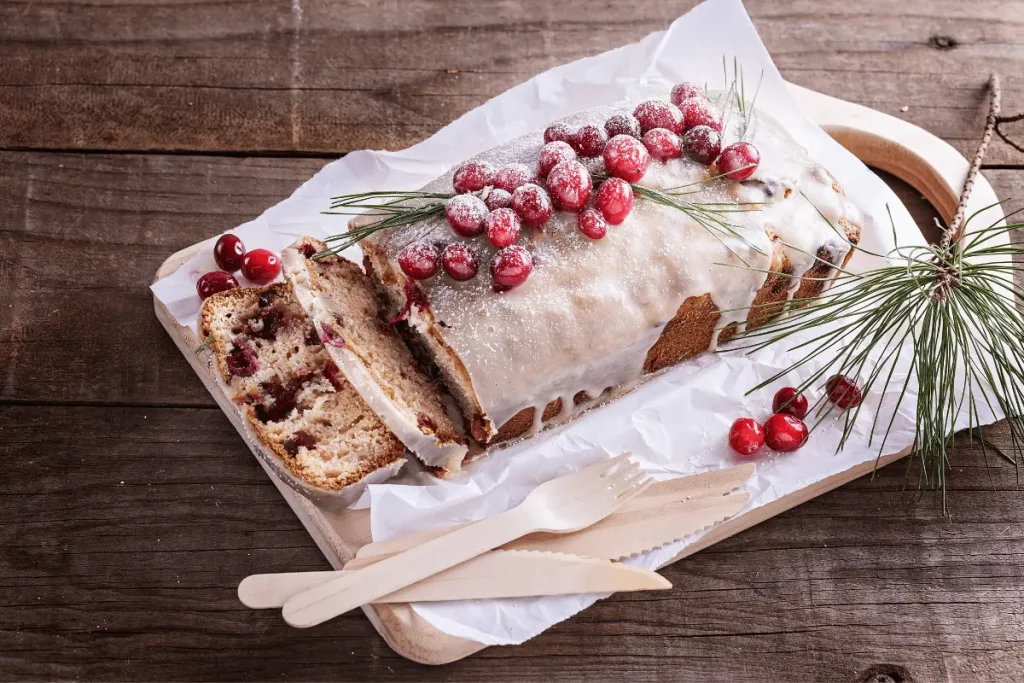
(259, 266)
(294, 399)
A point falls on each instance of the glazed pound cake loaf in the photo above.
(573, 264)
(308, 420)
(344, 306)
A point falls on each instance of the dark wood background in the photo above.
(130, 509)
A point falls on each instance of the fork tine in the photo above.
(624, 472)
(635, 490)
(631, 478)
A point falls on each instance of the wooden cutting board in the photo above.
(929, 164)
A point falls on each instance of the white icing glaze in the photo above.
(591, 310)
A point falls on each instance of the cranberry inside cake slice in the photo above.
(291, 392)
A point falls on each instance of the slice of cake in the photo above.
(347, 313)
(295, 402)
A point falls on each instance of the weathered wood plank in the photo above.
(123, 537)
(80, 239)
(328, 76)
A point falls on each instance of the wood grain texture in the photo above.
(330, 76)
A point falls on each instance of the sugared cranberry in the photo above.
(569, 184)
(746, 436)
(229, 252)
(533, 205)
(241, 359)
(459, 262)
(614, 200)
(213, 282)
(658, 114)
(787, 400)
(702, 143)
(503, 227)
(663, 144)
(589, 141)
(784, 433)
(419, 260)
(697, 111)
(622, 124)
(592, 224)
(558, 132)
(686, 90)
(466, 214)
(473, 176)
(510, 177)
(843, 391)
(510, 268)
(626, 157)
(330, 337)
(261, 266)
(739, 161)
(498, 199)
(553, 154)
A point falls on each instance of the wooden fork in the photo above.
(569, 503)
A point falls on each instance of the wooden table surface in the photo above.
(129, 507)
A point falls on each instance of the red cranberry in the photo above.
(510, 177)
(658, 114)
(459, 262)
(473, 176)
(558, 132)
(592, 224)
(622, 124)
(843, 391)
(686, 90)
(739, 161)
(785, 433)
(614, 200)
(663, 144)
(498, 199)
(746, 436)
(330, 337)
(532, 204)
(553, 154)
(213, 282)
(589, 141)
(702, 143)
(261, 266)
(787, 400)
(466, 214)
(241, 360)
(229, 252)
(419, 260)
(510, 268)
(333, 376)
(569, 184)
(697, 111)
(503, 227)
(625, 157)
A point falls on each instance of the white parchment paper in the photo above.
(676, 424)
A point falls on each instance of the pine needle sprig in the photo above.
(395, 208)
(945, 315)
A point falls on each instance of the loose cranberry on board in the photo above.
(614, 200)
(784, 433)
(229, 252)
(739, 161)
(503, 227)
(419, 260)
(702, 143)
(459, 262)
(510, 268)
(746, 436)
(788, 400)
(466, 214)
(626, 157)
(663, 144)
(843, 391)
(473, 176)
(592, 224)
(213, 282)
(533, 204)
(261, 266)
